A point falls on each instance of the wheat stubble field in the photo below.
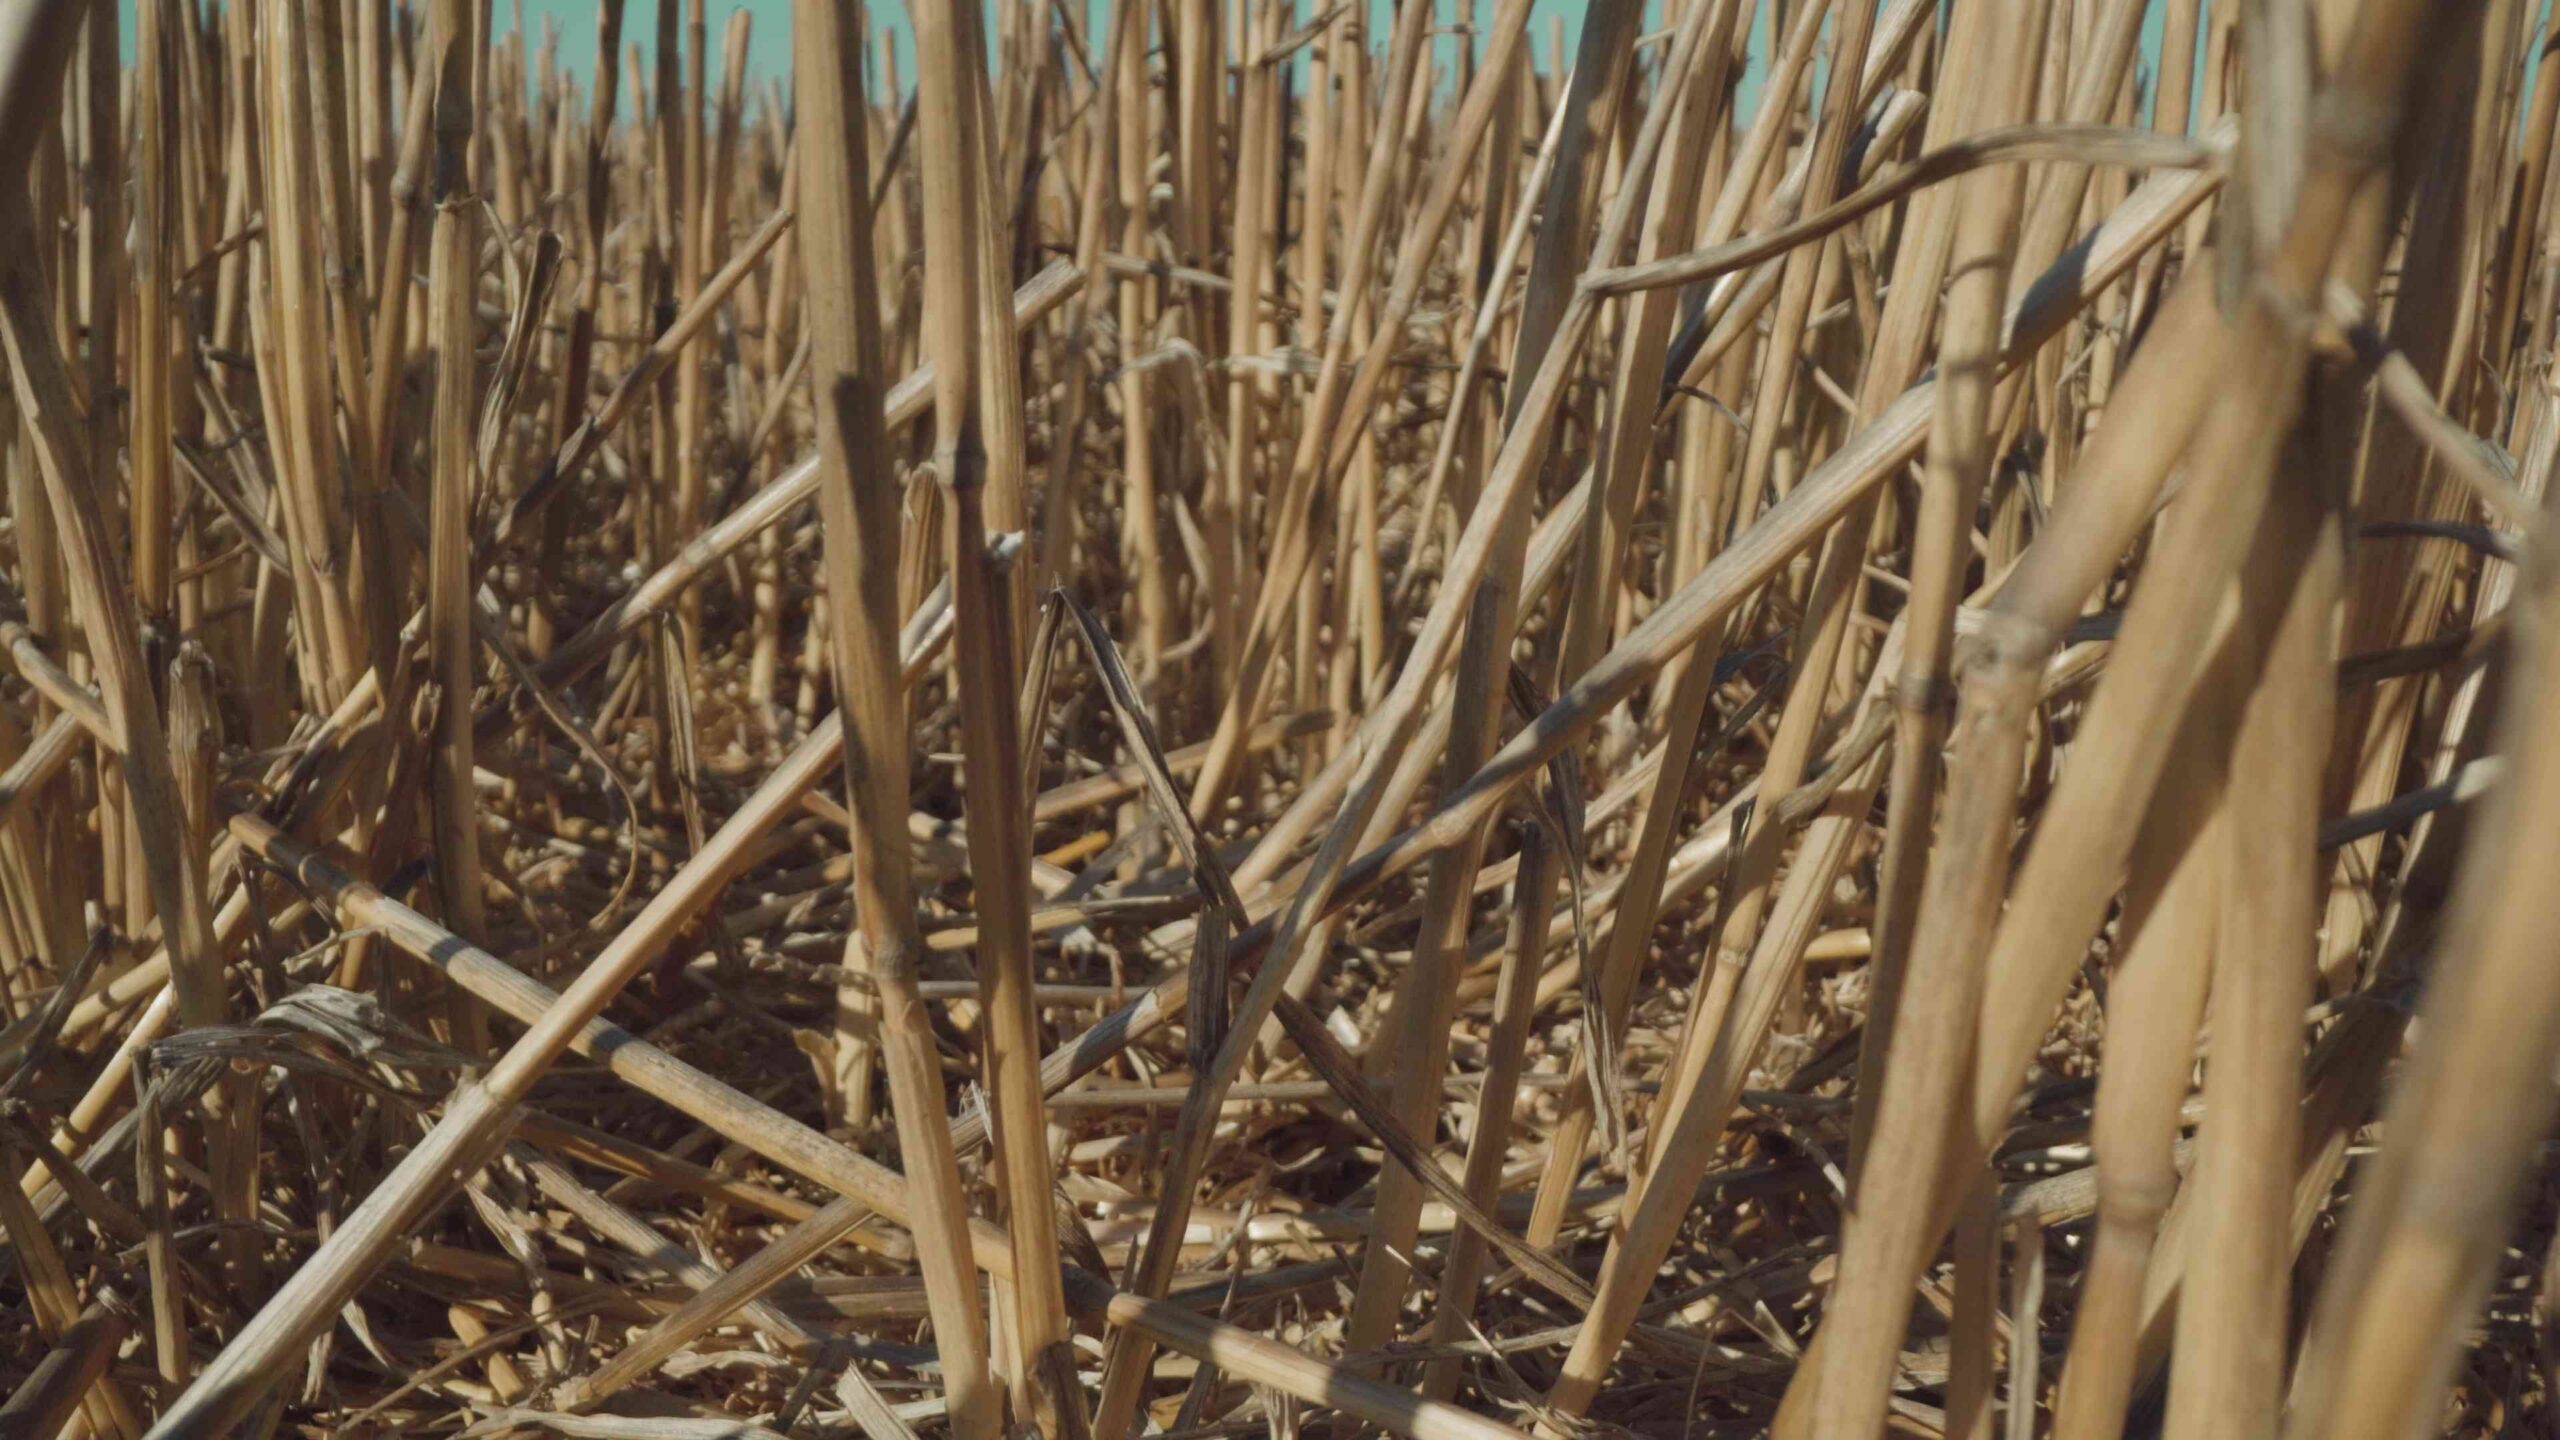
(1242, 718)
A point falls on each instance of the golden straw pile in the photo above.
(1428, 732)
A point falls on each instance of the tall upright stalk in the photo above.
(453, 266)
(950, 111)
(877, 1006)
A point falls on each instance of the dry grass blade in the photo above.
(1342, 1073)
(1205, 1010)
(2085, 144)
(47, 1399)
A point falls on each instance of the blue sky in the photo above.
(769, 54)
(769, 45)
(769, 41)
